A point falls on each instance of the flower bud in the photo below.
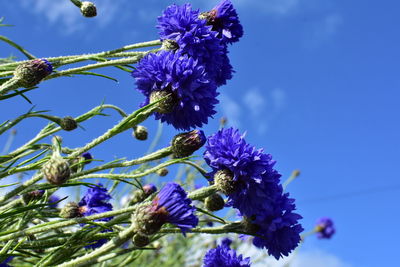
(68, 123)
(140, 240)
(249, 226)
(140, 132)
(87, 157)
(162, 172)
(223, 179)
(88, 9)
(70, 210)
(56, 170)
(78, 163)
(185, 144)
(33, 195)
(140, 195)
(169, 45)
(30, 73)
(147, 221)
(167, 105)
(214, 202)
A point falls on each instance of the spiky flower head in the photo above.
(325, 228)
(30, 73)
(224, 256)
(255, 190)
(246, 173)
(93, 202)
(224, 19)
(56, 170)
(96, 201)
(196, 39)
(186, 80)
(171, 205)
(279, 232)
(185, 144)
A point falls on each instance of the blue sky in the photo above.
(316, 85)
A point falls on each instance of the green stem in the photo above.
(45, 227)
(125, 124)
(109, 246)
(115, 62)
(20, 188)
(76, 3)
(235, 227)
(153, 156)
(59, 241)
(8, 66)
(203, 192)
(18, 47)
(9, 85)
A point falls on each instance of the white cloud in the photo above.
(231, 110)
(324, 30)
(254, 101)
(259, 108)
(278, 99)
(273, 7)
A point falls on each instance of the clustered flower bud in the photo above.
(30, 73)
(88, 9)
(185, 144)
(140, 132)
(223, 179)
(68, 123)
(56, 170)
(214, 202)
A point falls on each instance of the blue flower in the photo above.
(49, 67)
(87, 156)
(186, 79)
(93, 202)
(193, 36)
(196, 39)
(255, 190)
(252, 171)
(6, 261)
(173, 200)
(224, 20)
(325, 228)
(53, 199)
(224, 256)
(279, 232)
